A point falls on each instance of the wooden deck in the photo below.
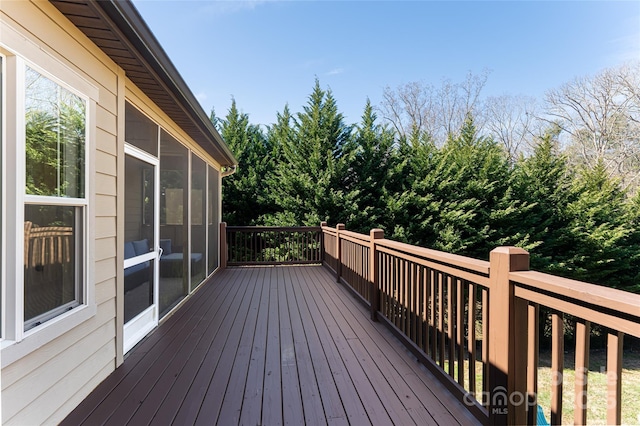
(269, 346)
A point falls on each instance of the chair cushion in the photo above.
(141, 247)
(165, 245)
(129, 250)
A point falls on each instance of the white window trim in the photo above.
(16, 342)
(3, 199)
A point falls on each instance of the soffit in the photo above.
(117, 28)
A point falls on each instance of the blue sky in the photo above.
(266, 54)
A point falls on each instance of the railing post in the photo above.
(374, 279)
(223, 245)
(322, 251)
(507, 397)
(339, 227)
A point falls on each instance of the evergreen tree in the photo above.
(311, 177)
(543, 182)
(244, 194)
(372, 159)
(604, 250)
(633, 219)
(412, 200)
(472, 182)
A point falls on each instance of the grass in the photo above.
(596, 390)
(597, 387)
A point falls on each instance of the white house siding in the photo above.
(43, 386)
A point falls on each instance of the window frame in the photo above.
(3, 203)
(15, 62)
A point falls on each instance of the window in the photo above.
(2, 61)
(45, 195)
(55, 134)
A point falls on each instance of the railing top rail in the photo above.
(468, 263)
(328, 230)
(50, 231)
(356, 236)
(274, 228)
(607, 297)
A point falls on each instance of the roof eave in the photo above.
(129, 24)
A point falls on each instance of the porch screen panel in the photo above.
(213, 219)
(174, 209)
(140, 131)
(198, 218)
(139, 236)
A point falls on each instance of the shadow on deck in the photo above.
(271, 345)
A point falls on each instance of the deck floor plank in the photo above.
(212, 401)
(328, 370)
(441, 406)
(177, 396)
(310, 393)
(251, 412)
(230, 410)
(193, 400)
(376, 409)
(292, 411)
(270, 345)
(383, 369)
(350, 388)
(272, 393)
(114, 407)
(178, 374)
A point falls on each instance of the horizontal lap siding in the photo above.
(45, 385)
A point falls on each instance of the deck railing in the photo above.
(270, 245)
(475, 324)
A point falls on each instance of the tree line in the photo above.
(453, 186)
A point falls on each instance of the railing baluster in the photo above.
(385, 284)
(405, 297)
(485, 346)
(374, 272)
(339, 227)
(460, 330)
(415, 316)
(583, 330)
(471, 338)
(614, 377)
(420, 314)
(441, 329)
(400, 298)
(392, 285)
(451, 324)
(425, 303)
(389, 288)
(533, 348)
(432, 314)
(557, 366)
(409, 299)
